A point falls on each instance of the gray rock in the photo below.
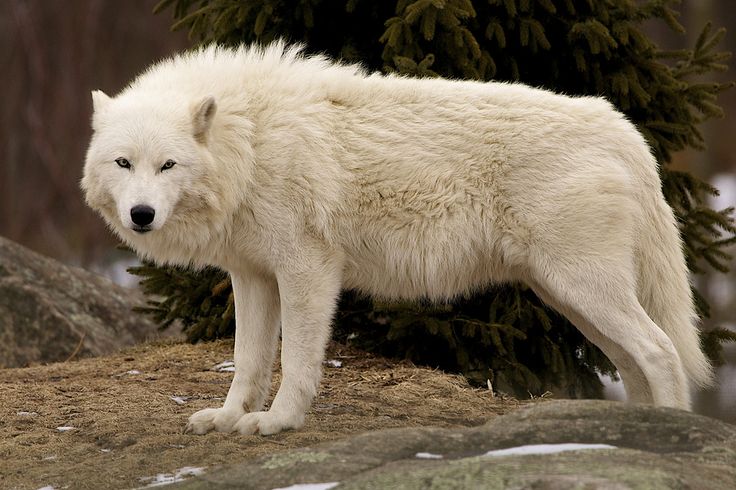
(655, 448)
(47, 308)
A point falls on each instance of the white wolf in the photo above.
(301, 176)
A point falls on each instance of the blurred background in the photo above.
(54, 52)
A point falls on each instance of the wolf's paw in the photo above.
(267, 423)
(219, 419)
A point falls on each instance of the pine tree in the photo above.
(581, 47)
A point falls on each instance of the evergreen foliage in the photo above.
(201, 300)
(582, 47)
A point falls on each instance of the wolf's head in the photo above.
(149, 167)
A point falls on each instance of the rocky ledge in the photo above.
(551, 445)
(52, 312)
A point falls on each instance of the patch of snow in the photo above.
(224, 366)
(50, 458)
(612, 389)
(179, 400)
(169, 478)
(310, 486)
(726, 185)
(105, 450)
(334, 363)
(65, 428)
(545, 449)
(427, 456)
(27, 414)
(47, 487)
(132, 372)
(117, 270)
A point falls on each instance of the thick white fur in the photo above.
(301, 176)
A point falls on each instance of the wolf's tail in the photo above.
(663, 286)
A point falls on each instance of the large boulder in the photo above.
(617, 446)
(49, 311)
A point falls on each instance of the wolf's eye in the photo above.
(168, 164)
(123, 162)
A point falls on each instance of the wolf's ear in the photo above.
(100, 100)
(202, 114)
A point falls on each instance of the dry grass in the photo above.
(126, 426)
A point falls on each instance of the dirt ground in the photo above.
(116, 422)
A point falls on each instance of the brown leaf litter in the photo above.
(111, 422)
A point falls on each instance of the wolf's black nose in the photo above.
(142, 215)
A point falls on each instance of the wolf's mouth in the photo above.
(141, 229)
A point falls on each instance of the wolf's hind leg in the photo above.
(637, 387)
(598, 295)
(256, 341)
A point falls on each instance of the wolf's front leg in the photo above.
(309, 287)
(256, 339)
